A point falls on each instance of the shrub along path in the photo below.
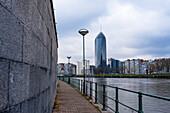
(70, 101)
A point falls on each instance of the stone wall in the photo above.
(28, 56)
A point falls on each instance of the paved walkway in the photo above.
(70, 101)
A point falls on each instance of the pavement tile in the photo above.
(70, 101)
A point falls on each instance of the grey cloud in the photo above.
(132, 27)
(70, 18)
(150, 41)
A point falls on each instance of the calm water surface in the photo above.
(160, 87)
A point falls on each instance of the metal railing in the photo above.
(78, 84)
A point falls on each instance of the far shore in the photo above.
(123, 76)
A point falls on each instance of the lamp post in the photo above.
(83, 32)
(68, 63)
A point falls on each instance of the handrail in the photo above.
(79, 85)
(127, 90)
(159, 97)
(155, 96)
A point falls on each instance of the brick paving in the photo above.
(70, 101)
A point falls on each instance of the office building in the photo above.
(100, 51)
(80, 67)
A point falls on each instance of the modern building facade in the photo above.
(121, 67)
(80, 67)
(100, 51)
(127, 66)
(136, 66)
(144, 66)
(116, 66)
(112, 64)
(132, 66)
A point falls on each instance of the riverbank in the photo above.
(131, 76)
(126, 76)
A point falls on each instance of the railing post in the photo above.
(81, 85)
(68, 80)
(77, 84)
(86, 89)
(140, 102)
(104, 98)
(117, 101)
(90, 90)
(95, 93)
(73, 82)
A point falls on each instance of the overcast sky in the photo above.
(133, 28)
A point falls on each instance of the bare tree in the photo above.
(159, 65)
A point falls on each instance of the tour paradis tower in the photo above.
(100, 51)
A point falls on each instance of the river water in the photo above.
(154, 86)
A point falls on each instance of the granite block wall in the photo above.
(28, 56)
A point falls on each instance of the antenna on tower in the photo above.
(100, 28)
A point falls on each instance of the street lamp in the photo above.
(68, 63)
(83, 32)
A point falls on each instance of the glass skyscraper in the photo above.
(100, 50)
